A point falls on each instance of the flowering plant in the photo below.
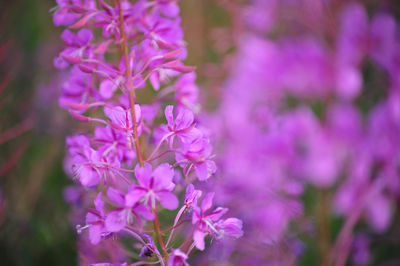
(133, 167)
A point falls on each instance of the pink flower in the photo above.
(128, 208)
(191, 196)
(183, 126)
(198, 152)
(177, 258)
(121, 119)
(230, 227)
(204, 221)
(95, 221)
(155, 186)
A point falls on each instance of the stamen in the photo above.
(79, 228)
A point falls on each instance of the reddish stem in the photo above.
(131, 90)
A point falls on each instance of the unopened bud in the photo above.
(79, 117)
(71, 59)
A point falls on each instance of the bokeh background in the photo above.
(34, 217)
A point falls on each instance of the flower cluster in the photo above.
(132, 166)
(297, 112)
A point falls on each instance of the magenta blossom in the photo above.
(191, 196)
(95, 221)
(177, 258)
(198, 153)
(182, 126)
(128, 208)
(121, 120)
(209, 223)
(155, 186)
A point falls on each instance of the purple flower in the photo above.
(113, 143)
(155, 186)
(128, 208)
(149, 249)
(191, 196)
(76, 89)
(378, 212)
(64, 16)
(141, 43)
(204, 222)
(353, 37)
(183, 126)
(229, 227)
(198, 152)
(95, 221)
(83, 160)
(165, 33)
(121, 119)
(177, 258)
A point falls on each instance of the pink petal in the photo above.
(89, 177)
(163, 176)
(207, 201)
(116, 196)
(99, 204)
(379, 213)
(95, 234)
(198, 238)
(201, 170)
(134, 196)
(232, 227)
(349, 82)
(184, 119)
(168, 200)
(196, 215)
(68, 37)
(116, 220)
(84, 36)
(217, 213)
(117, 115)
(91, 218)
(190, 136)
(169, 115)
(154, 80)
(145, 212)
(107, 88)
(143, 174)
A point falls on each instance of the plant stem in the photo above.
(131, 90)
(323, 231)
(156, 225)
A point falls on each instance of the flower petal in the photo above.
(143, 174)
(116, 196)
(134, 196)
(99, 204)
(89, 177)
(95, 234)
(217, 213)
(169, 115)
(116, 220)
(207, 201)
(163, 176)
(198, 238)
(168, 200)
(184, 119)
